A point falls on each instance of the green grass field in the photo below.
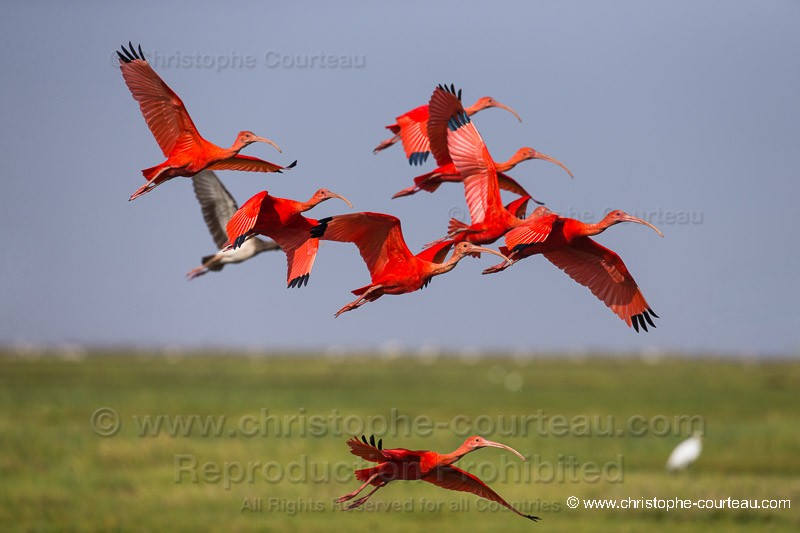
(593, 428)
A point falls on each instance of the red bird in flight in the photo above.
(187, 152)
(454, 139)
(392, 266)
(567, 243)
(412, 129)
(280, 219)
(411, 465)
(218, 206)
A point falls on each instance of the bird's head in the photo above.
(248, 137)
(324, 194)
(617, 216)
(487, 102)
(526, 153)
(477, 442)
(465, 248)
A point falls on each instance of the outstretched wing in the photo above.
(603, 272)
(244, 220)
(248, 164)
(300, 248)
(378, 237)
(163, 110)
(507, 183)
(453, 478)
(216, 203)
(443, 105)
(470, 156)
(368, 452)
(534, 229)
(413, 131)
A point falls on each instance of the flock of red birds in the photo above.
(442, 128)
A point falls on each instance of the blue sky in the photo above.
(684, 112)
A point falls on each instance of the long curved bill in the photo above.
(503, 106)
(630, 218)
(481, 249)
(263, 140)
(545, 157)
(503, 446)
(342, 198)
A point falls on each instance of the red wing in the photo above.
(216, 203)
(507, 183)
(246, 163)
(436, 252)
(603, 272)
(452, 478)
(443, 105)
(413, 130)
(365, 451)
(519, 207)
(532, 231)
(476, 167)
(378, 236)
(244, 220)
(162, 109)
(300, 248)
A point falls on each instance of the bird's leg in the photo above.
(406, 192)
(386, 144)
(364, 298)
(351, 495)
(502, 266)
(360, 501)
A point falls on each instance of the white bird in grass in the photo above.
(218, 207)
(685, 453)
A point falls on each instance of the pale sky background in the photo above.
(683, 109)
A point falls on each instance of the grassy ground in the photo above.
(596, 428)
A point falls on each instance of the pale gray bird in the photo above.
(218, 207)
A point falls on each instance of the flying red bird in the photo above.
(187, 152)
(280, 219)
(455, 138)
(412, 465)
(392, 267)
(218, 206)
(412, 129)
(567, 243)
(449, 174)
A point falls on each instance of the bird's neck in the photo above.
(582, 229)
(471, 110)
(302, 207)
(452, 457)
(505, 166)
(434, 269)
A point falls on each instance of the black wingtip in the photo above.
(380, 444)
(643, 319)
(299, 281)
(372, 440)
(130, 54)
(319, 230)
(364, 439)
(291, 165)
(531, 517)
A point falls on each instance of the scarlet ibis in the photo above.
(448, 174)
(567, 243)
(412, 129)
(187, 152)
(218, 206)
(392, 267)
(280, 219)
(411, 465)
(454, 137)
